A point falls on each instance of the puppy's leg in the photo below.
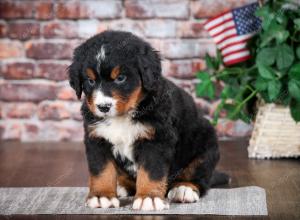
(125, 185)
(153, 158)
(150, 193)
(193, 180)
(103, 176)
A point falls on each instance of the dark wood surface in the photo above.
(63, 164)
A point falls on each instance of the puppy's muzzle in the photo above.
(104, 107)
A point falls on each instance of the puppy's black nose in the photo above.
(104, 107)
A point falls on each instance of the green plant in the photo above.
(272, 74)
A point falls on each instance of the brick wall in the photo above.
(38, 37)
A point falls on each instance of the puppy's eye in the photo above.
(120, 79)
(91, 82)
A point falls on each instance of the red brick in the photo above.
(66, 93)
(133, 26)
(53, 111)
(209, 8)
(47, 50)
(235, 129)
(3, 29)
(88, 28)
(187, 48)
(178, 9)
(53, 71)
(191, 29)
(18, 70)
(53, 131)
(160, 28)
(19, 110)
(24, 30)
(63, 29)
(11, 49)
(27, 91)
(89, 9)
(187, 85)
(12, 131)
(31, 132)
(202, 104)
(44, 10)
(16, 9)
(185, 69)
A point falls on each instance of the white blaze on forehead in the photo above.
(100, 55)
(101, 99)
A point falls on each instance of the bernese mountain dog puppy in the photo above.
(143, 135)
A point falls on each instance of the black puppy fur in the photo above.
(182, 149)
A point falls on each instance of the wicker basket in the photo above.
(275, 133)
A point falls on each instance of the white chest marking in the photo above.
(122, 132)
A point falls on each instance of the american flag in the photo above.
(231, 30)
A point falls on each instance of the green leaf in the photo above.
(295, 110)
(205, 89)
(266, 56)
(266, 71)
(284, 56)
(298, 52)
(274, 88)
(282, 36)
(261, 84)
(294, 72)
(274, 31)
(203, 75)
(297, 23)
(294, 89)
(209, 62)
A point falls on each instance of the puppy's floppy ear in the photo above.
(149, 68)
(75, 78)
(75, 70)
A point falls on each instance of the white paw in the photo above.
(150, 204)
(102, 202)
(183, 194)
(121, 191)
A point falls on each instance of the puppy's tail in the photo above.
(219, 178)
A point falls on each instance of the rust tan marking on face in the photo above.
(124, 104)
(188, 184)
(90, 73)
(146, 187)
(90, 103)
(125, 181)
(188, 172)
(105, 184)
(115, 72)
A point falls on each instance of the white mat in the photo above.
(70, 200)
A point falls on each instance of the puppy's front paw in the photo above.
(183, 194)
(102, 202)
(150, 204)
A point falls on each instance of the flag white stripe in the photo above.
(218, 20)
(221, 28)
(225, 34)
(234, 48)
(236, 56)
(234, 39)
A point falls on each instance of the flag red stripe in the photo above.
(235, 43)
(236, 51)
(241, 59)
(221, 32)
(219, 24)
(217, 16)
(225, 38)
